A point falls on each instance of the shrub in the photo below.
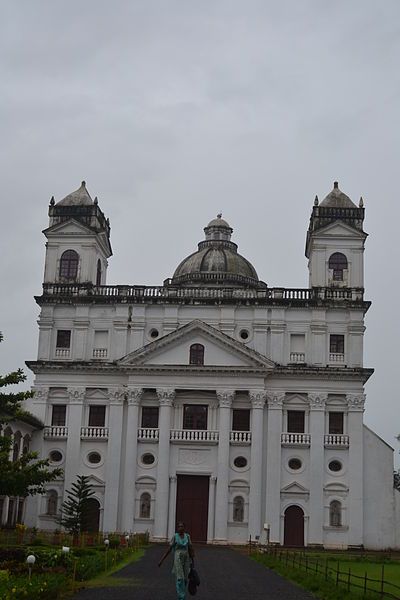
(41, 587)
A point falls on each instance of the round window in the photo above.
(295, 464)
(148, 459)
(244, 334)
(154, 333)
(335, 466)
(94, 458)
(55, 456)
(240, 462)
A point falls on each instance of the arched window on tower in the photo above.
(69, 265)
(98, 274)
(196, 354)
(338, 263)
(145, 504)
(238, 509)
(335, 514)
(52, 503)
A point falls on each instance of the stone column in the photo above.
(211, 509)
(225, 399)
(273, 491)
(257, 399)
(128, 497)
(74, 424)
(355, 472)
(317, 467)
(166, 399)
(172, 506)
(113, 464)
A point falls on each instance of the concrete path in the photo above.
(225, 575)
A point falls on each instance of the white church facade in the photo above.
(213, 398)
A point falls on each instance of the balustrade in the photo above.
(193, 435)
(100, 352)
(55, 431)
(148, 434)
(336, 357)
(297, 357)
(62, 352)
(336, 439)
(295, 439)
(240, 437)
(94, 433)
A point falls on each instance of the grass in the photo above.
(109, 580)
(327, 590)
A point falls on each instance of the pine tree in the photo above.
(26, 475)
(76, 508)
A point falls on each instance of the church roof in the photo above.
(79, 197)
(336, 198)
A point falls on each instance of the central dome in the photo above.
(216, 262)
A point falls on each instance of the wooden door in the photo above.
(92, 516)
(294, 526)
(192, 505)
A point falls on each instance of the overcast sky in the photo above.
(175, 110)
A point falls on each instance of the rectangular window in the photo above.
(58, 415)
(240, 419)
(195, 416)
(63, 338)
(150, 416)
(336, 344)
(100, 339)
(295, 421)
(336, 420)
(97, 416)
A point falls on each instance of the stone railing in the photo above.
(148, 434)
(295, 439)
(336, 440)
(100, 352)
(240, 437)
(94, 433)
(336, 357)
(297, 357)
(55, 431)
(58, 292)
(194, 435)
(63, 352)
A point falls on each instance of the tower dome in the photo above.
(337, 199)
(216, 261)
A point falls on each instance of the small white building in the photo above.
(213, 398)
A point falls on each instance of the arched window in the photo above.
(338, 263)
(238, 509)
(69, 264)
(15, 452)
(335, 514)
(98, 274)
(52, 503)
(145, 503)
(196, 354)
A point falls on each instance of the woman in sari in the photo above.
(182, 548)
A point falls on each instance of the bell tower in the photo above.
(78, 240)
(335, 242)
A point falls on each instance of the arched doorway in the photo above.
(92, 515)
(294, 526)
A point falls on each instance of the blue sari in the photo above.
(181, 568)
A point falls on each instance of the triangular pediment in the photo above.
(338, 229)
(95, 481)
(70, 227)
(220, 350)
(295, 488)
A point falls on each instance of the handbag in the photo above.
(194, 581)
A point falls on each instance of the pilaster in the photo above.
(317, 457)
(172, 506)
(134, 396)
(257, 399)
(225, 399)
(275, 401)
(356, 404)
(76, 397)
(113, 468)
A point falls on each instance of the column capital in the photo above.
(41, 393)
(116, 395)
(225, 398)
(166, 396)
(317, 400)
(76, 395)
(173, 478)
(356, 402)
(134, 395)
(257, 398)
(275, 399)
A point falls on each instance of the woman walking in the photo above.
(182, 547)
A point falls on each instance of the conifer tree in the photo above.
(76, 508)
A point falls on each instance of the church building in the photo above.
(213, 398)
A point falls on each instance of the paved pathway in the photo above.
(225, 575)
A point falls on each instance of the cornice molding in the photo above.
(76, 394)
